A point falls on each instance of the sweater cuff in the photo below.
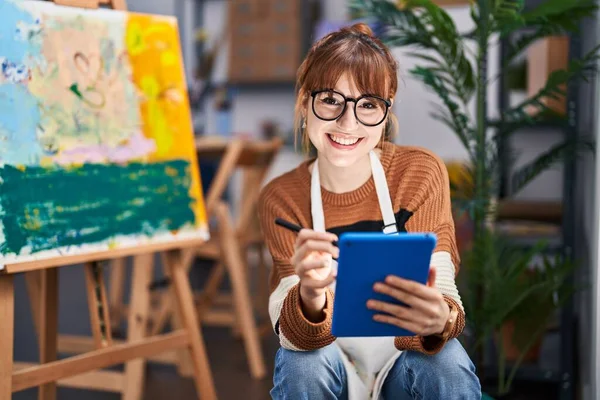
(301, 332)
(433, 344)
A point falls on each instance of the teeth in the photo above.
(343, 140)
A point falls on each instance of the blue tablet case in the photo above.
(366, 258)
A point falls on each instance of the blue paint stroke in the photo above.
(16, 28)
(19, 119)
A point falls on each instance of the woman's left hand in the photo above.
(427, 311)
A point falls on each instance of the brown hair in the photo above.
(354, 50)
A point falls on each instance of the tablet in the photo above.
(366, 258)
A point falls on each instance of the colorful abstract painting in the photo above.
(96, 142)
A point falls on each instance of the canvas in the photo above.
(96, 142)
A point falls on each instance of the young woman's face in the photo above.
(345, 140)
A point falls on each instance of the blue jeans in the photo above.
(321, 375)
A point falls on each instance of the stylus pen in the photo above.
(292, 227)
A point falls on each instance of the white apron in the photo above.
(367, 360)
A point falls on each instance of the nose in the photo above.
(347, 121)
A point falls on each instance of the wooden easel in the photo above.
(81, 370)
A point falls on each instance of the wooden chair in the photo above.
(229, 247)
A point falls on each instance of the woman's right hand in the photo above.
(312, 261)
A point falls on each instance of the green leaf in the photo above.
(507, 15)
(566, 150)
(561, 9)
(453, 116)
(551, 18)
(554, 88)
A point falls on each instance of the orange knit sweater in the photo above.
(419, 189)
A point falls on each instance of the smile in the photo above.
(344, 140)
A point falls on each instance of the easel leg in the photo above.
(7, 315)
(33, 280)
(48, 334)
(117, 282)
(138, 322)
(185, 305)
(241, 294)
(185, 366)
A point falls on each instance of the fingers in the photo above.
(403, 317)
(306, 234)
(425, 306)
(413, 288)
(309, 234)
(311, 264)
(313, 245)
(393, 309)
(432, 276)
(412, 326)
(318, 283)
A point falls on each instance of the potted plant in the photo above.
(522, 288)
(492, 269)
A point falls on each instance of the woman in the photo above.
(346, 87)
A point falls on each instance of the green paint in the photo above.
(47, 208)
(75, 89)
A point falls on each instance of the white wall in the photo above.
(164, 7)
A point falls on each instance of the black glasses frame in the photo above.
(314, 93)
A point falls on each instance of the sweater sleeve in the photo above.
(294, 330)
(433, 213)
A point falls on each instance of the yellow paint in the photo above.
(32, 223)
(162, 189)
(168, 59)
(134, 39)
(46, 162)
(21, 168)
(171, 171)
(157, 71)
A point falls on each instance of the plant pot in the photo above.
(512, 352)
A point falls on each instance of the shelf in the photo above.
(530, 210)
(527, 234)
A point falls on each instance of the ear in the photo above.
(391, 102)
(305, 102)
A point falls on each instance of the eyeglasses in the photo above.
(330, 105)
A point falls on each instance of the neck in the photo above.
(344, 179)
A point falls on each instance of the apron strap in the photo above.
(316, 203)
(383, 194)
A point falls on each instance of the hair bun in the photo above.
(363, 28)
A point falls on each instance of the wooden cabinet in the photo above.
(265, 40)
(544, 57)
